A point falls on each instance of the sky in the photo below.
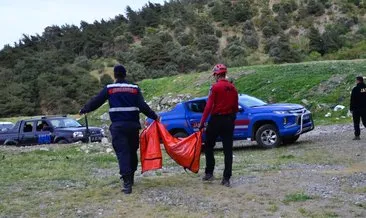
(18, 17)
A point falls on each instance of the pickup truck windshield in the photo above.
(65, 123)
(249, 101)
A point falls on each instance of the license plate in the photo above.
(95, 138)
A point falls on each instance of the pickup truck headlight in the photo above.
(78, 135)
(281, 112)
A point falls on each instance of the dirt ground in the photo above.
(321, 175)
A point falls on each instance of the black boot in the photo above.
(127, 184)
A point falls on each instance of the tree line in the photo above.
(49, 73)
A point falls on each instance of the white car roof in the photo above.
(6, 123)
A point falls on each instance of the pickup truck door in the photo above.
(241, 124)
(27, 133)
(194, 113)
(43, 133)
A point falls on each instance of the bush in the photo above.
(185, 39)
(288, 5)
(233, 50)
(105, 79)
(136, 72)
(101, 68)
(208, 42)
(272, 28)
(315, 7)
(83, 62)
(280, 50)
(207, 56)
(171, 69)
(250, 37)
(218, 33)
(314, 56)
(203, 67)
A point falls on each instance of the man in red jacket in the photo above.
(222, 105)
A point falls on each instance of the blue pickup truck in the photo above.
(268, 124)
(49, 129)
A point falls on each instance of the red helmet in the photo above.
(219, 69)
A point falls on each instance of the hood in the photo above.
(278, 107)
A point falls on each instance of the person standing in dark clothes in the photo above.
(222, 105)
(125, 102)
(358, 106)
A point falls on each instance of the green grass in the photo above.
(273, 83)
(67, 182)
(296, 197)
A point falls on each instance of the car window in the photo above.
(56, 123)
(197, 106)
(65, 123)
(41, 125)
(249, 101)
(28, 126)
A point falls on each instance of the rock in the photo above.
(104, 117)
(105, 140)
(339, 108)
(44, 149)
(305, 102)
(109, 150)
(328, 114)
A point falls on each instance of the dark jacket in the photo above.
(358, 97)
(125, 102)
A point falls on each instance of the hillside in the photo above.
(320, 86)
(55, 71)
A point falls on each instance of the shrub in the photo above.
(185, 39)
(208, 42)
(315, 7)
(105, 79)
(83, 62)
(218, 33)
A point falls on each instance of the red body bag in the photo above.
(185, 152)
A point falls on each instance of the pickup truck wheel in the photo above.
(267, 136)
(290, 140)
(180, 134)
(62, 141)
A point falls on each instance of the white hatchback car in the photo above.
(4, 126)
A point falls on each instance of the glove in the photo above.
(82, 111)
(201, 126)
(158, 118)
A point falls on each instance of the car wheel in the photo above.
(10, 143)
(290, 140)
(267, 136)
(180, 134)
(62, 141)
